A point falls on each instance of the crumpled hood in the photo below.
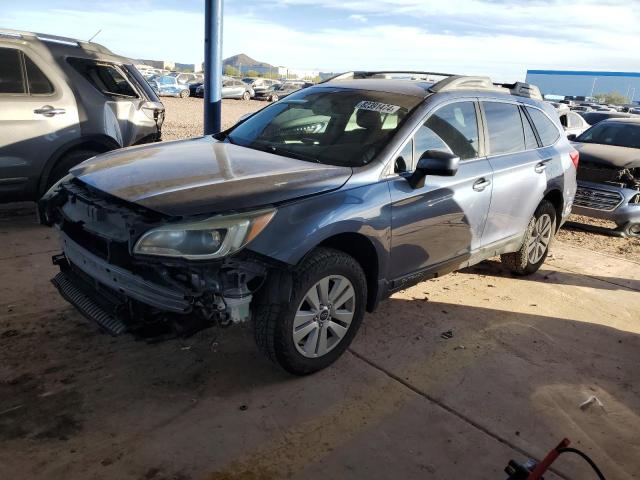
(611, 155)
(203, 175)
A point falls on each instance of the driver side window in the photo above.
(452, 128)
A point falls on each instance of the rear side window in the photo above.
(11, 78)
(454, 128)
(39, 84)
(106, 77)
(574, 120)
(505, 128)
(530, 141)
(547, 130)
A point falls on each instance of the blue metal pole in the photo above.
(212, 66)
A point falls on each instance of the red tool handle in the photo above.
(546, 462)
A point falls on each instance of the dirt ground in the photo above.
(448, 379)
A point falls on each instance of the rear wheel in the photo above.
(246, 96)
(537, 239)
(309, 331)
(67, 162)
(631, 230)
(274, 98)
(184, 93)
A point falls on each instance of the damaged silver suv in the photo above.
(312, 210)
(63, 101)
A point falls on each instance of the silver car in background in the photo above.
(63, 101)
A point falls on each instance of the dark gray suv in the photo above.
(313, 210)
(63, 101)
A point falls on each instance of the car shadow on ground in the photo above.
(497, 269)
(520, 375)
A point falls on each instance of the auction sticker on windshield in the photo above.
(377, 107)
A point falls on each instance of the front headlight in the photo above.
(212, 238)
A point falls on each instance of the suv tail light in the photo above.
(575, 158)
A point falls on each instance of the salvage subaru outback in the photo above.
(312, 210)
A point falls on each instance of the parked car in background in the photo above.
(581, 108)
(186, 78)
(592, 118)
(63, 101)
(609, 173)
(231, 88)
(302, 230)
(261, 85)
(277, 92)
(572, 123)
(193, 89)
(168, 86)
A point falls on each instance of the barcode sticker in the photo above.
(377, 107)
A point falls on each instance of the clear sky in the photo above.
(502, 38)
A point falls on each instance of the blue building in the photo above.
(585, 83)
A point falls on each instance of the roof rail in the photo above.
(460, 82)
(382, 74)
(451, 82)
(522, 89)
(519, 89)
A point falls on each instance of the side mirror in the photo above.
(434, 162)
(572, 137)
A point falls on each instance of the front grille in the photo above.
(597, 199)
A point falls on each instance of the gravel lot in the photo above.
(185, 119)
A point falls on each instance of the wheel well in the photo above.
(99, 145)
(556, 199)
(362, 249)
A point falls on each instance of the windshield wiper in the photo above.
(276, 150)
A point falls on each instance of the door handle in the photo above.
(49, 111)
(541, 167)
(481, 184)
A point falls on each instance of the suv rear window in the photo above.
(39, 84)
(106, 77)
(505, 128)
(547, 130)
(11, 79)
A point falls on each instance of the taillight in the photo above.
(575, 158)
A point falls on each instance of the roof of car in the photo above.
(63, 45)
(633, 120)
(404, 87)
(422, 84)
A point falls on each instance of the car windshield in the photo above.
(327, 125)
(613, 133)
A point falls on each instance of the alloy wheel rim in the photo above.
(540, 238)
(324, 316)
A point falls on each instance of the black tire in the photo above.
(631, 230)
(274, 98)
(246, 96)
(66, 163)
(273, 316)
(519, 262)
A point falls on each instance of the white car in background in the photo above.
(572, 123)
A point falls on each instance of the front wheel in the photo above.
(246, 96)
(310, 330)
(274, 98)
(537, 239)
